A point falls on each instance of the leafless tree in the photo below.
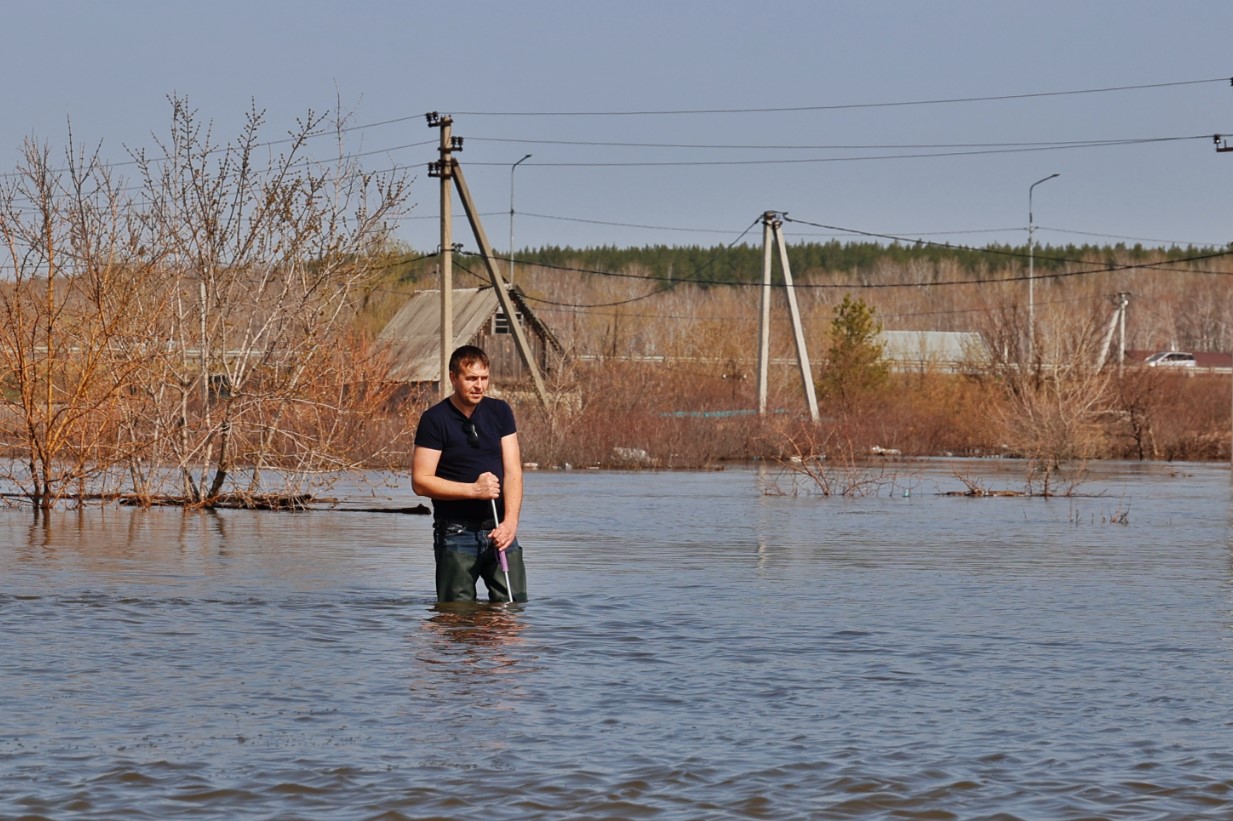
(265, 249)
(1053, 397)
(199, 325)
(71, 321)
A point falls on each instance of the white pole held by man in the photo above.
(501, 558)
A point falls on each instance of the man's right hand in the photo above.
(488, 486)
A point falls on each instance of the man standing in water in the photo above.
(466, 455)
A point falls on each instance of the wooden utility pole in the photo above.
(498, 285)
(444, 168)
(449, 169)
(771, 225)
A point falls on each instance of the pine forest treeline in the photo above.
(738, 263)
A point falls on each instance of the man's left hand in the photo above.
(503, 535)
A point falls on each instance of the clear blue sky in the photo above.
(959, 173)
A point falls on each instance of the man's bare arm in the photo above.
(426, 482)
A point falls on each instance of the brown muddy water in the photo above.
(694, 649)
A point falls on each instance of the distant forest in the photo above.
(738, 263)
(743, 263)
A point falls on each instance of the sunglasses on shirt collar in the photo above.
(472, 434)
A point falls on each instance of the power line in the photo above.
(672, 283)
(587, 306)
(729, 231)
(832, 147)
(485, 280)
(558, 308)
(347, 129)
(1136, 239)
(341, 128)
(901, 236)
(972, 149)
(625, 224)
(843, 106)
(820, 160)
(959, 232)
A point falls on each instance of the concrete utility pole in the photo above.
(764, 315)
(1223, 146)
(1032, 272)
(771, 225)
(447, 168)
(1123, 299)
(512, 169)
(1117, 320)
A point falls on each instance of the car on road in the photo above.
(1170, 359)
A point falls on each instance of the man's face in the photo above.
(470, 383)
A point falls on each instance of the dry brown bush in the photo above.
(830, 459)
(635, 414)
(1191, 420)
(930, 414)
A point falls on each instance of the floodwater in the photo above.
(694, 648)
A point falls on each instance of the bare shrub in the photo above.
(933, 414)
(1139, 397)
(603, 410)
(1053, 399)
(828, 460)
(1193, 420)
(200, 325)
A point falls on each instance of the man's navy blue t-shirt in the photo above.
(464, 457)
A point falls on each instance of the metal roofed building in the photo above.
(414, 334)
(934, 350)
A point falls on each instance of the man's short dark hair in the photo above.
(467, 355)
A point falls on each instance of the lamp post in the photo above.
(1032, 272)
(511, 216)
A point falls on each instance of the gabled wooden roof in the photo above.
(414, 333)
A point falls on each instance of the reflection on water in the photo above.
(695, 649)
(471, 639)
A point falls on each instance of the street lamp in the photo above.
(1032, 272)
(511, 216)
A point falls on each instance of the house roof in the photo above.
(414, 333)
